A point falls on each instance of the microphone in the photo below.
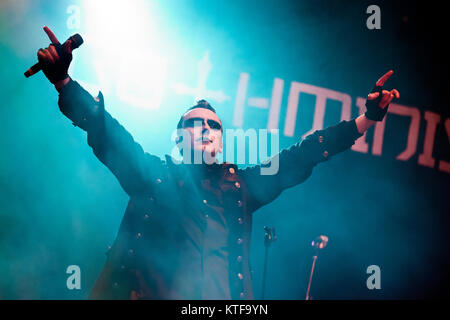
(76, 41)
(320, 242)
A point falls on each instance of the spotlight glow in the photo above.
(125, 47)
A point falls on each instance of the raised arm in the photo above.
(114, 146)
(296, 163)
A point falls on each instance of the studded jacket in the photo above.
(187, 228)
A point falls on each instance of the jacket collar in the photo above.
(198, 169)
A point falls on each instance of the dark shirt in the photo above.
(187, 228)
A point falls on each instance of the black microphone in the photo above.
(76, 41)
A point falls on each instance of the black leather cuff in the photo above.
(374, 111)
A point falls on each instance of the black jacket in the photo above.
(187, 228)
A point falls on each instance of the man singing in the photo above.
(187, 227)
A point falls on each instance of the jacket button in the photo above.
(131, 251)
(320, 139)
(146, 216)
(206, 216)
(115, 284)
(242, 295)
(152, 199)
(239, 203)
(239, 240)
(139, 235)
(240, 220)
(204, 201)
(239, 258)
(231, 170)
(325, 153)
(158, 180)
(237, 184)
(240, 276)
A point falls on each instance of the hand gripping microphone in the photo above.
(76, 41)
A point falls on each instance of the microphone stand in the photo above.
(318, 244)
(269, 237)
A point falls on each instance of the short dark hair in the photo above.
(200, 104)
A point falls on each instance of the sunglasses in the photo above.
(199, 122)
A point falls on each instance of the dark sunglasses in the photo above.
(199, 122)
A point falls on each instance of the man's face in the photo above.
(205, 131)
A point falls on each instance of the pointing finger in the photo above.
(51, 36)
(383, 79)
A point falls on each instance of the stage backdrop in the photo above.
(295, 66)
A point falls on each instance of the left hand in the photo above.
(378, 99)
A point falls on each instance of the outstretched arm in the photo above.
(296, 163)
(112, 144)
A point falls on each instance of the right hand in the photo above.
(55, 59)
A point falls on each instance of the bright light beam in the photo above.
(126, 48)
